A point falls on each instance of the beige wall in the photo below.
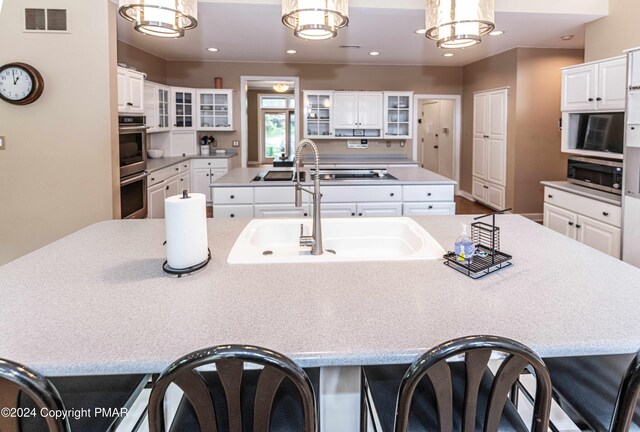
(494, 72)
(609, 36)
(56, 171)
(533, 139)
(538, 156)
(421, 79)
(154, 66)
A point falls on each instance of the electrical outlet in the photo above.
(236, 143)
(2, 146)
(388, 143)
(358, 144)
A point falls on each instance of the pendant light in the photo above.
(163, 18)
(459, 23)
(281, 87)
(315, 19)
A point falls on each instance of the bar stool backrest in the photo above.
(16, 379)
(477, 352)
(230, 361)
(627, 397)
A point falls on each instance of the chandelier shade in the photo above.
(315, 19)
(163, 18)
(281, 87)
(459, 23)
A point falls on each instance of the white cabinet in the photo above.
(379, 209)
(130, 91)
(166, 182)
(183, 109)
(156, 107)
(318, 114)
(205, 172)
(155, 200)
(429, 209)
(277, 211)
(587, 220)
(398, 115)
(490, 148)
(215, 110)
(339, 210)
(595, 86)
(358, 114)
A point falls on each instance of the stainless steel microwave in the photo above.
(601, 174)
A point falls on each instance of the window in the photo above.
(277, 102)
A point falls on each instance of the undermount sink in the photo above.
(276, 241)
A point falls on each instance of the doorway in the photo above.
(437, 134)
(277, 127)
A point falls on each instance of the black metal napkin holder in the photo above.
(488, 258)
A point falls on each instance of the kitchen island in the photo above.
(97, 302)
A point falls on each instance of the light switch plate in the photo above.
(2, 147)
(236, 143)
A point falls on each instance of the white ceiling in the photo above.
(252, 31)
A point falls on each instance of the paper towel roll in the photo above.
(186, 230)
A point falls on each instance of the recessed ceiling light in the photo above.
(421, 31)
(213, 49)
(567, 37)
(374, 53)
(291, 51)
(448, 54)
(496, 33)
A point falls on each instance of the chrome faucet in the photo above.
(315, 239)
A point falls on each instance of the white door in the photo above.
(634, 69)
(446, 153)
(200, 182)
(480, 157)
(151, 107)
(496, 196)
(612, 88)
(370, 106)
(430, 125)
(155, 201)
(338, 210)
(122, 90)
(173, 186)
(498, 115)
(600, 236)
(479, 190)
(579, 87)
(560, 220)
(497, 161)
(379, 209)
(480, 112)
(136, 93)
(345, 110)
(183, 108)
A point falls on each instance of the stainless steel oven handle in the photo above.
(134, 179)
(133, 128)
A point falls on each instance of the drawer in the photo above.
(278, 211)
(380, 193)
(184, 166)
(162, 174)
(431, 209)
(428, 193)
(603, 212)
(210, 163)
(231, 211)
(278, 195)
(237, 195)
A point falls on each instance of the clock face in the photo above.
(20, 83)
(15, 83)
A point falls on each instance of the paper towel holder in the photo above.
(185, 194)
(188, 270)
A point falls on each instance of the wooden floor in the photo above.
(463, 206)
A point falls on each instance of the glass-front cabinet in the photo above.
(183, 112)
(398, 113)
(156, 107)
(317, 114)
(163, 108)
(215, 110)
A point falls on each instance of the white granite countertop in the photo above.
(602, 196)
(163, 162)
(405, 176)
(97, 301)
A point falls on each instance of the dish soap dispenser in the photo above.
(464, 248)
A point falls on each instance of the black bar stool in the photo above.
(435, 394)
(599, 393)
(277, 397)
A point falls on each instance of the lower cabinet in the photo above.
(488, 193)
(429, 209)
(157, 193)
(281, 211)
(379, 209)
(566, 215)
(205, 172)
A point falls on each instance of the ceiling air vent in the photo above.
(45, 20)
(350, 46)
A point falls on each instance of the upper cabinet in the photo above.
(156, 107)
(183, 109)
(358, 114)
(130, 91)
(318, 114)
(595, 86)
(398, 112)
(215, 110)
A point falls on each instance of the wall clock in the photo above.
(20, 83)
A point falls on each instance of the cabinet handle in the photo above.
(153, 178)
(306, 214)
(486, 187)
(207, 175)
(167, 188)
(428, 193)
(571, 223)
(392, 194)
(598, 99)
(178, 169)
(233, 197)
(633, 128)
(359, 214)
(578, 226)
(550, 196)
(129, 104)
(605, 214)
(590, 99)
(430, 207)
(232, 215)
(353, 214)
